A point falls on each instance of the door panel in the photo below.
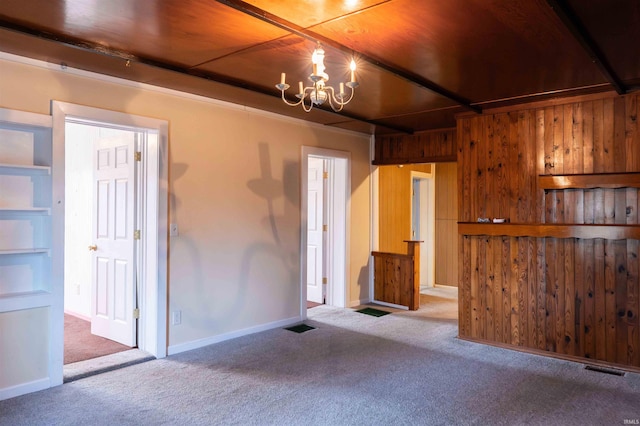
(102, 287)
(314, 231)
(113, 300)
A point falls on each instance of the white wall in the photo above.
(234, 182)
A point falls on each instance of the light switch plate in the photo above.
(176, 317)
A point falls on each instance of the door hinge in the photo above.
(324, 280)
(136, 313)
(324, 228)
(136, 234)
(137, 156)
(325, 175)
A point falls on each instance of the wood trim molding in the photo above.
(415, 160)
(589, 181)
(551, 230)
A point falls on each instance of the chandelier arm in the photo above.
(291, 103)
(304, 107)
(350, 96)
(337, 100)
(331, 96)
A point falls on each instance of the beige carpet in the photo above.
(439, 303)
(352, 369)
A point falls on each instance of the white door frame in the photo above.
(338, 220)
(153, 268)
(428, 246)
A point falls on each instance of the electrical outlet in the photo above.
(176, 317)
(173, 230)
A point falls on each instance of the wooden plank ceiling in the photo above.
(419, 62)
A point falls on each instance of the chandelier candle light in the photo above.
(320, 92)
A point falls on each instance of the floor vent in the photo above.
(373, 312)
(300, 328)
(604, 370)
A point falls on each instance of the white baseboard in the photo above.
(391, 305)
(77, 315)
(196, 344)
(13, 391)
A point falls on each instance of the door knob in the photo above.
(93, 248)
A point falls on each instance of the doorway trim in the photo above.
(338, 220)
(429, 240)
(153, 268)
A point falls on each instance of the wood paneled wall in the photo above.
(446, 211)
(570, 296)
(423, 147)
(394, 216)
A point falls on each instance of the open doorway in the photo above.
(325, 193)
(423, 223)
(100, 250)
(402, 191)
(113, 171)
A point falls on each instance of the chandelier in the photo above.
(319, 92)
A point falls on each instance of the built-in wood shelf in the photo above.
(589, 181)
(552, 230)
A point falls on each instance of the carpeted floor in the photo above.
(80, 344)
(407, 368)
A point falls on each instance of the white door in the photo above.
(315, 231)
(113, 266)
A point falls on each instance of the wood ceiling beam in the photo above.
(99, 49)
(411, 77)
(580, 33)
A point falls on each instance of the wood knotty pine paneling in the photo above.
(576, 297)
(422, 147)
(446, 212)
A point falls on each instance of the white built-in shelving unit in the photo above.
(25, 210)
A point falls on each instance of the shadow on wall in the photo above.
(363, 283)
(268, 268)
(278, 260)
(268, 188)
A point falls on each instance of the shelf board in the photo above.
(24, 251)
(552, 230)
(26, 300)
(25, 170)
(31, 210)
(589, 181)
